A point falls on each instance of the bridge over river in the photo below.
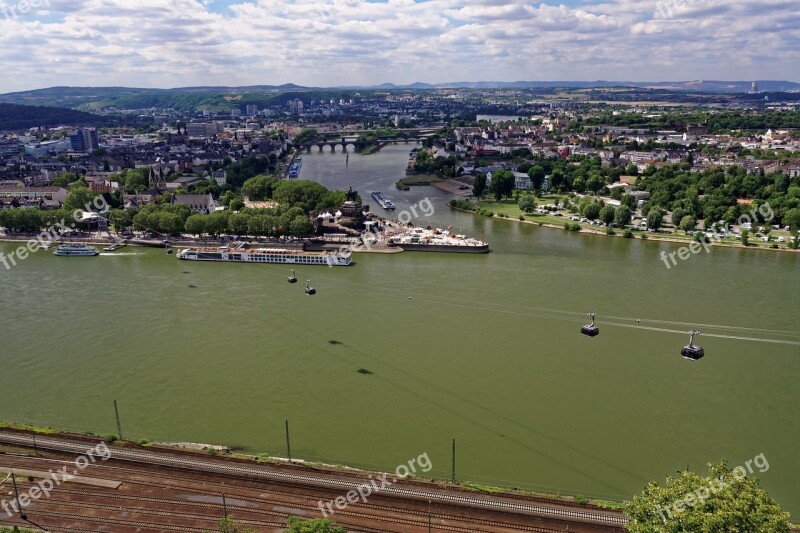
(345, 139)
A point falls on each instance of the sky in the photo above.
(179, 43)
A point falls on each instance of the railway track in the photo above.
(442, 518)
(232, 506)
(319, 481)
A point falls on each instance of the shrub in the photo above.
(521, 217)
(110, 438)
(610, 231)
(628, 234)
(644, 236)
(572, 226)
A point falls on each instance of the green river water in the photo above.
(481, 348)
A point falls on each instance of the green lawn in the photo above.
(510, 208)
(421, 179)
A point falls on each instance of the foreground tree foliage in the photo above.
(721, 502)
(299, 525)
(227, 525)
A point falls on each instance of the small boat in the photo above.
(76, 250)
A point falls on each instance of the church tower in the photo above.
(156, 179)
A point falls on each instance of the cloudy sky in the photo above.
(174, 43)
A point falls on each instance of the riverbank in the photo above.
(241, 456)
(549, 221)
(418, 180)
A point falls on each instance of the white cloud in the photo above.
(167, 43)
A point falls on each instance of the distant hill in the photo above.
(185, 98)
(18, 117)
(689, 86)
(221, 98)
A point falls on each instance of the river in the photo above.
(484, 349)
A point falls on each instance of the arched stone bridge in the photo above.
(357, 145)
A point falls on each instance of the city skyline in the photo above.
(158, 44)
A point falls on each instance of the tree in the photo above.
(238, 223)
(792, 218)
(607, 214)
(306, 194)
(592, 210)
(217, 223)
(745, 238)
(479, 187)
(195, 225)
(80, 197)
(121, 219)
(226, 525)
(502, 183)
(64, 179)
(628, 200)
(170, 223)
(723, 501)
(677, 215)
(622, 216)
(299, 525)
(654, 218)
(536, 174)
(259, 187)
(527, 203)
(134, 180)
(595, 182)
(301, 227)
(688, 224)
(305, 136)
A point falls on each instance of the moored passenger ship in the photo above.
(437, 240)
(266, 255)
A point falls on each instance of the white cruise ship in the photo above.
(281, 256)
(76, 250)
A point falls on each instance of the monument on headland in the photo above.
(349, 217)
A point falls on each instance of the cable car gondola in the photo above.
(309, 289)
(692, 352)
(292, 278)
(590, 330)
